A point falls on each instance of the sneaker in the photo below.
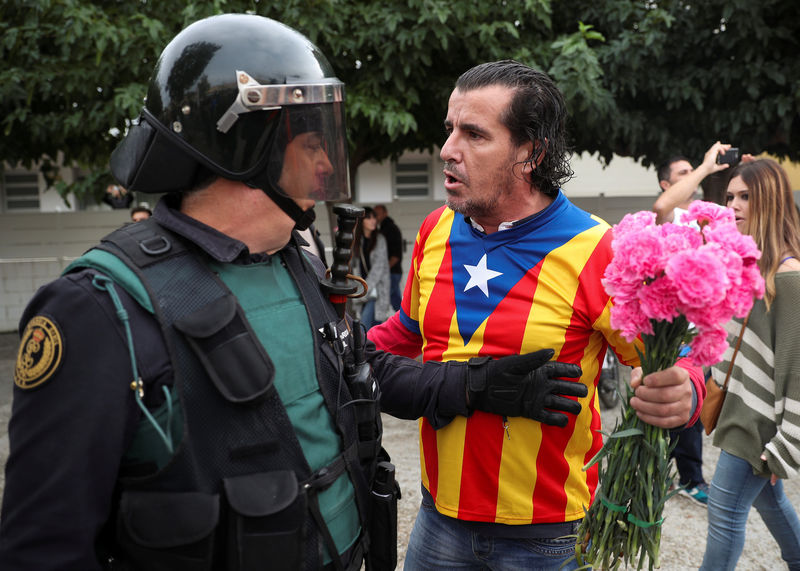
(698, 493)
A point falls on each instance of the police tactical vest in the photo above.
(237, 491)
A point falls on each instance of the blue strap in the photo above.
(104, 283)
(787, 258)
(111, 265)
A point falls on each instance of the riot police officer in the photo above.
(183, 394)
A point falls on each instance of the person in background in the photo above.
(679, 183)
(139, 213)
(117, 197)
(372, 264)
(508, 266)
(759, 425)
(394, 246)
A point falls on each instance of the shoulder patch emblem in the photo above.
(40, 353)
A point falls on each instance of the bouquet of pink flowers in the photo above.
(672, 284)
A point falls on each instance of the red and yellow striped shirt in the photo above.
(533, 286)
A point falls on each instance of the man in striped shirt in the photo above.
(510, 266)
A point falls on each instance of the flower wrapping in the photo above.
(671, 284)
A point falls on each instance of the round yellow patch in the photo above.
(39, 354)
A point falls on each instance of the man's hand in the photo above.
(524, 385)
(710, 164)
(663, 398)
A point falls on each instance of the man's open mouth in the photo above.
(450, 178)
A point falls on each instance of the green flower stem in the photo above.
(634, 474)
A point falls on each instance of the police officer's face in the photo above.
(306, 168)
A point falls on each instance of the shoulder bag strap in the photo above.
(735, 352)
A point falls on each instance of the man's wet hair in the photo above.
(537, 113)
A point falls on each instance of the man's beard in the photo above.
(483, 206)
(476, 208)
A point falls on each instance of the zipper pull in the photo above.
(506, 426)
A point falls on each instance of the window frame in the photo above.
(405, 167)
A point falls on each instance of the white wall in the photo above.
(374, 183)
(622, 177)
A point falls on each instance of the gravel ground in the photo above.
(685, 522)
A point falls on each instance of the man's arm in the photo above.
(68, 434)
(526, 386)
(683, 190)
(394, 337)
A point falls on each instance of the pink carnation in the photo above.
(662, 271)
(699, 277)
(629, 319)
(634, 223)
(676, 238)
(659, 299)
(709, 213)
(708, 347)
(639, 255)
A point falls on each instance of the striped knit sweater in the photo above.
(761, 413)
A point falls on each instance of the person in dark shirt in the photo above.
(394, 245)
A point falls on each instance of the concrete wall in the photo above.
(36, 247)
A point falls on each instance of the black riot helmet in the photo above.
(245, 98)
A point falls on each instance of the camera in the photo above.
(729, 157)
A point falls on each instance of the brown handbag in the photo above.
(715, 395)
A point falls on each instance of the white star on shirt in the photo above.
(480, 275)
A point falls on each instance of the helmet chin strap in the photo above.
(302, 218)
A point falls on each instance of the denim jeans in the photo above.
(394, 290)
(688, 454)
(368, 314)
(440, 542)
(733, 490)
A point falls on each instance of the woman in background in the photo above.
(371, 262)
(759, 425)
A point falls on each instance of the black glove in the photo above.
(523, 385)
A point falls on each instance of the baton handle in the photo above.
(338, 285)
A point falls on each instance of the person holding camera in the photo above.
(679, 183)
(679, 180)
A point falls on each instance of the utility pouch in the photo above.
(265, 522)
(370, 429)
(168, 531)
(366, 396)
(236, 363)
(382, 525)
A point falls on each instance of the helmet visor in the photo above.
(308, 159)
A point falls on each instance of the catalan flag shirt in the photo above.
(533, 286)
